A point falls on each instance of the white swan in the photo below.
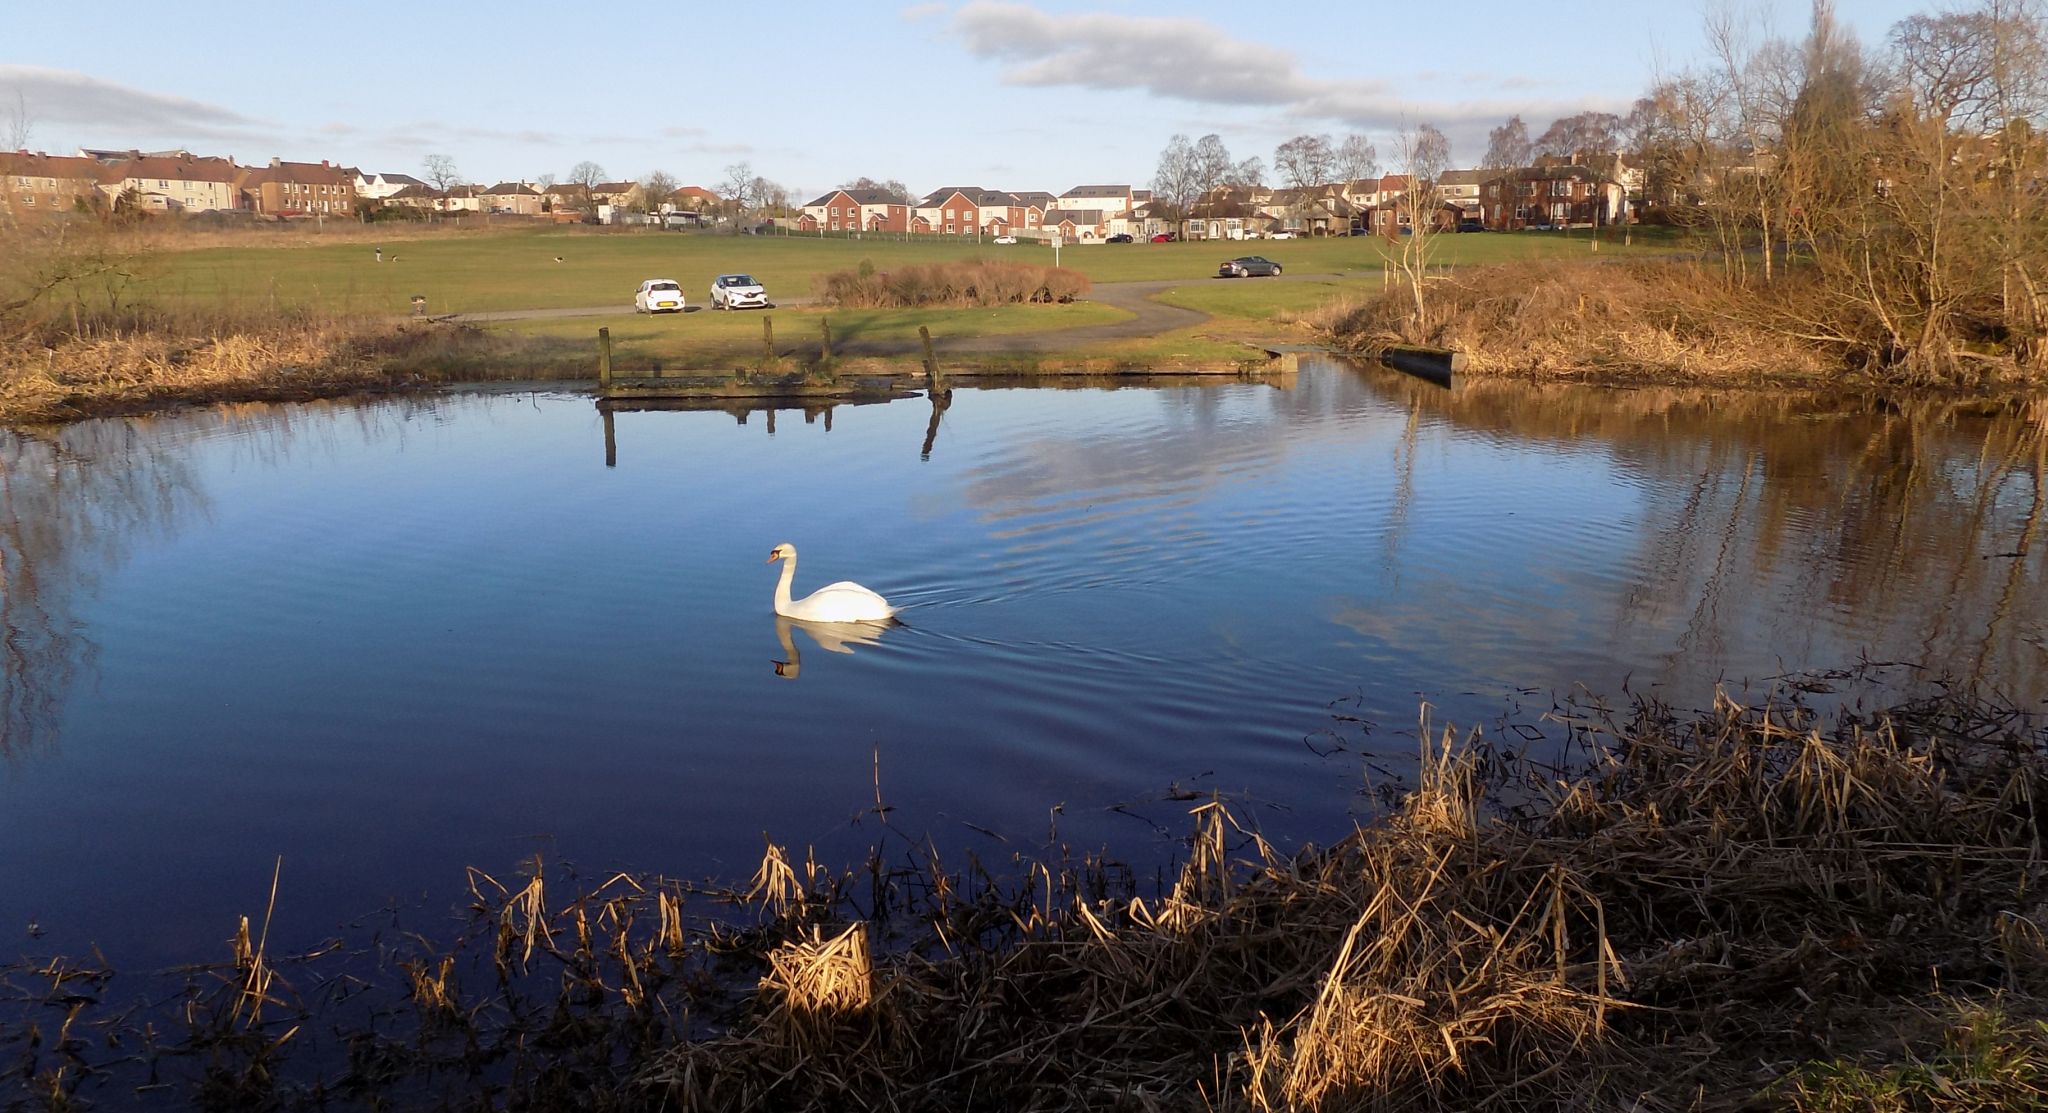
(844, 601)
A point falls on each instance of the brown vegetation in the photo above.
(1588, 320)
(1750, 908)
(972, 282)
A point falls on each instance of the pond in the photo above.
(366, 645)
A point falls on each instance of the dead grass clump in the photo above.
(1577, 319)
(1657, 912)
(965, 283)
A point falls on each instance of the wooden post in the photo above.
(611, 441)
(604, 359)
(825, 328)
(767, 343)
(933, 380)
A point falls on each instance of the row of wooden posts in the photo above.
(935, 379)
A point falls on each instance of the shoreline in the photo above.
(1755, 907)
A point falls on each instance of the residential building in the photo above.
(971, 210)
(1461, 188)
(514, 198)
(694, 199)
(1559, 196)
(297, 189)
(176, 183)
(40, 184)
(381, 187)
(420, 196)
(1113, 200)
(462, 199)
(1079, 225)
(855, 210)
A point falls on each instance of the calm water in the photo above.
(391, 640)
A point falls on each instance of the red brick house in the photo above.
(855, 210)
(1551, 197)
(298, 189)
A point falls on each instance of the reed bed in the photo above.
(1752, 907)
(1659, 319)
(969, 282)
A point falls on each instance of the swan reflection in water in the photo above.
(832, 637)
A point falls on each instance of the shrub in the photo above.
(969, 282)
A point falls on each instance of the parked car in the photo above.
(1006, 239)
(1162, 237)
(737, 291)
(1471, 224)
(1246, 266)
(1283, 234)
(658, 295)
(1120, 237)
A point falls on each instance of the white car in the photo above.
(658, 295)
(1006, 239)
(1283, 234)
(737, 291)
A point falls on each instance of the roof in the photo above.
(414, 192)
(1078, 192)
(394, 179)
(1076, 216)
(858, 197)
(1549, 173)
(615, 187)
(694, 191)
(517, 188)
(1462, 177)
(1037, 197)
(302, 173)
(975, 195)
(39, 165)
(187, 169)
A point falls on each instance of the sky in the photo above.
(1030, 94)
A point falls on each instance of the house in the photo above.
(1311, 210)
(1561, 196)
(40, 184)
(1230, 213)
(462, 199)
(420, 196)
(855, 210)
(1461, 188)
(695, 199)
(513, 198)
(1113, 200)
(971, 210)
(381, 187)
(178, 183)
(1079, 225)
(297, 189)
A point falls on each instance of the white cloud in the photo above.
(1192, 60)
(68, 97)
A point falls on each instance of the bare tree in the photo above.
(1212, 163)
(18, 125)
(1507, 146)
(440, 172)
(1249, 174)
(737, 189)
(1176, 183)
(891, 189)
(1305, 160)
(656, 188)
(1357, 158)
(1423, 154)
(585, 177)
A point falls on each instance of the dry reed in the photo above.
(968, 282)
(1657, 913)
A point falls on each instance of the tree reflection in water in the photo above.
(1918, 521)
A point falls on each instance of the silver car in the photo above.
(737, 291)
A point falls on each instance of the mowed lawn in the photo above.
(542, 269)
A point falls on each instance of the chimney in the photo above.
(323, 164)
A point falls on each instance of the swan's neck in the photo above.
(782, 585)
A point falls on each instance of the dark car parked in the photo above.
(1246, 266)
(1120, 237)
(1470, 224)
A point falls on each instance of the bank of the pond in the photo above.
(1663, 322)
(1750, 907)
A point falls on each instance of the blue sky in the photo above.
(1039, 94)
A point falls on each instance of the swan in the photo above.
(844, 601)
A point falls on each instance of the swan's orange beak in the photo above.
(772, 558)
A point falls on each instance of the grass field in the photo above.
(483, 271)
(713, 340)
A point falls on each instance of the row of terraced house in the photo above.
(33, 183)
(1081, 214)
